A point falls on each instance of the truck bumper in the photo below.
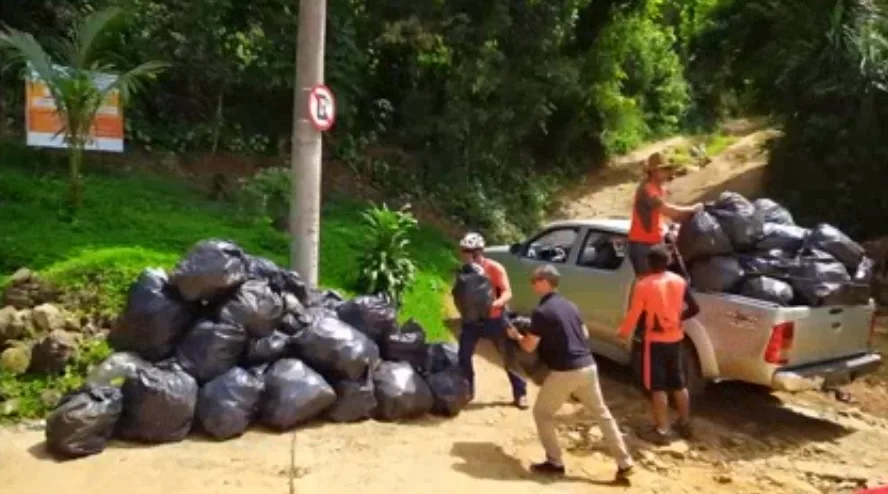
(833, 373)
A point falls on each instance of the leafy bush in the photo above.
(386, 266)
(265, 198)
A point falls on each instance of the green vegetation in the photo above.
(70, 80)
(129, 222)
(386, 266)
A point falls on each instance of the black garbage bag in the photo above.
(787, 238)
(211, 348)
(372, 315)
(227, 404)
(210, 269)
(772, 212)
(294, 394)
(116, 369)
(525, 364)
(255, 307)
(773, 264)
(269, 349)
(440, 357)
(154, 318)
(401, 393)
(158, 404)
(702, 236)
(739, 219)
(292, 324)
(328, 299)
(835, 243)
(84, 421)
(451, 391)
(262, 269)
(293, 283)
(716, 274)
(335, 349)
(819, 279)
(406, 345)
(355, 401)
(472, 293)
(768, 289)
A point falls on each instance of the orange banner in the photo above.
(44, 124)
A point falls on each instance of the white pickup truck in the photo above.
(733, 338)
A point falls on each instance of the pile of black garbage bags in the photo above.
(228, 340)
(757, 250)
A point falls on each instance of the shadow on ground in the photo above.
(734, 421)
(488, 461)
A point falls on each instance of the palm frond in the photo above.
(132, 81)
(20, 47)
(85, 34)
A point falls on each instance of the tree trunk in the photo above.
(75, 186)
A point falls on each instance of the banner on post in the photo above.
(45, 127)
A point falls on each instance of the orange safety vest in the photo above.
(661, 297)
(496, 273)
(646, 218)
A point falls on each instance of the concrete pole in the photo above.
(305, 204)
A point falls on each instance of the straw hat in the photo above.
(656, 162)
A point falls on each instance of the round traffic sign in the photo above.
(321, 107)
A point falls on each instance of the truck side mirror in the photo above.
(516, 248)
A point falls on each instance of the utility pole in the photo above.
(305, 204)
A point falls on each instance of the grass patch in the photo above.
(715, 144)
(130, 222)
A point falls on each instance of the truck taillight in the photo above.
(872, 331)
(777, 351)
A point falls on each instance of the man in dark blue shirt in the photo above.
(558, 333)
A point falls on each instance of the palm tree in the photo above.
(69, 78)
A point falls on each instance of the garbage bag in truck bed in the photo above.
(772, 212)
(740, 220)
(716, 274)
(768, 289)
(702, 236)
(831, 240)
(819, 279)
(787, 238)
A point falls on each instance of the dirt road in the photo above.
(748, 442)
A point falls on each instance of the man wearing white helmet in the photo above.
(494, 326)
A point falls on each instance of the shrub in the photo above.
(386, 266)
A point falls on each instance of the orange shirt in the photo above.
(499, 279)
(646, 216)
(661, 297)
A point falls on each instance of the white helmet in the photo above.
(472, 241)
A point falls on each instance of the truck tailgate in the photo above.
(827, 333)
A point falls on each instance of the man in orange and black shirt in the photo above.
(648, 210)
(662, 296)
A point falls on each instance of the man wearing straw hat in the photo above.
(648, 210)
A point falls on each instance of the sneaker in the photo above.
(623, 474)
(521, 403)
(656, 437)
(547, 468)
(684, 430)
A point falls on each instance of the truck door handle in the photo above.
(837, 310)
(836, 325)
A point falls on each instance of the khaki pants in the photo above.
(582, 383)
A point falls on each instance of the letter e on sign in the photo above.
(321, 107)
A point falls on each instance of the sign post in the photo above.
(313, 112)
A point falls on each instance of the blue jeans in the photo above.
(492, 329)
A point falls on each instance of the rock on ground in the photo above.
(48, 318)
(54, 352)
